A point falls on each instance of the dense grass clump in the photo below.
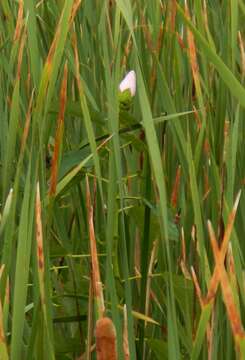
(122, 213)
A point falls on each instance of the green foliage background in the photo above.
(183, 135)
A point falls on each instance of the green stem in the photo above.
(145, 245)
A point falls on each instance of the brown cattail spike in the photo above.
(105, 333)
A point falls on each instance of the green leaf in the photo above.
(159, 348)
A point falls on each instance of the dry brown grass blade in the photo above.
(173, 12)
(57, 33)
(214, 282)
(75, 8)
(97, 285)
(193, 55)
(230, 261)
(197, 119)
(182, 261)
(87, 355)
(39, 239)
(241, 45)
(233, 314)
(105, 334)
(205, 15)
(197, 287)
(59, 133)
(2, 334)
(149, 278)
(3, 343)
(220, 276)
(125, 333)
(20, 54)
(49, 61)
(19, 22)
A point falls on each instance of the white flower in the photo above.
(129, 83)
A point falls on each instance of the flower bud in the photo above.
(129, 83)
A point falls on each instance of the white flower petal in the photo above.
(129, 82)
